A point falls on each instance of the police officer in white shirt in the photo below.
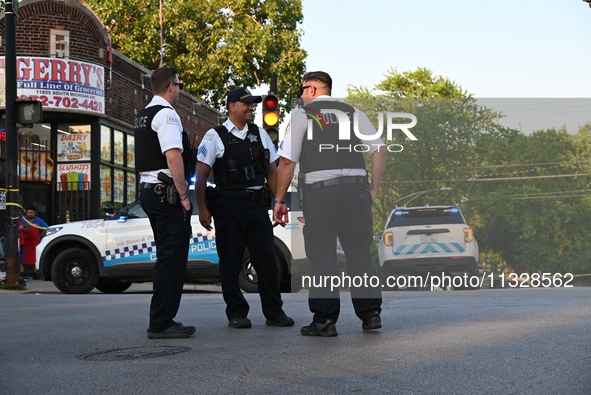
(159, 148)
(242, 158)
(337, 198)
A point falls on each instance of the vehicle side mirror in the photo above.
(377, 238)
(108, 209)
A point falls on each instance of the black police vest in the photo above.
(325, 151)
(244, 163)
(148, 153)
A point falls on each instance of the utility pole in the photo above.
(12, 194)
(273, 85)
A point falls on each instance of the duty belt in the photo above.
(337, 181)
(147, 185)
(247, 194)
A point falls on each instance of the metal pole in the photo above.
(273, 86)
(12, 195)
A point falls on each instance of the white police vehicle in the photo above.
(111, 254)
(423, 241)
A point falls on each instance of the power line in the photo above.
(549, 193)
(537, 114)
(525, 164)
(528, 198)
(530, 102)
(488, 179)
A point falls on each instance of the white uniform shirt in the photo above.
(167, 125)
(291, 145)
(212, 147)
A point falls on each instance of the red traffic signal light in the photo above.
(271, 116)
(270, 102)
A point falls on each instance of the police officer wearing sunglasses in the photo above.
(242, 158)
(159, 156)
(337, 199)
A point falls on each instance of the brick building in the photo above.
(82, 155)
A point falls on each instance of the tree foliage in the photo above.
(450, 127)
(215, 44)
(503, 179)
(538, 224)
(420, 83)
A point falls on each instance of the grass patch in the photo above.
(13, 287)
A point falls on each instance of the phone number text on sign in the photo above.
(67, 102)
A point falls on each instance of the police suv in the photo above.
(111, 254)
(427, 241)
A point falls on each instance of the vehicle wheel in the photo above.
(112, 287)
(75, 271)
(248, 278)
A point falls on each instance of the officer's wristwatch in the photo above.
(279, 201)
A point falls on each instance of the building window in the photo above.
(105, 143)
(118, 177)
(59, 44)
(36, 162)
(73, 156)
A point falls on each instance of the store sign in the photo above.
(73, 147)
(73, 177)
(58, 83)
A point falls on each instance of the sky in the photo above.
(531, 57)
(493, 49)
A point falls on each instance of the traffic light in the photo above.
(271, 117)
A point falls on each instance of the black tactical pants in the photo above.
(172, 232)
(241, 223)
(343, 211)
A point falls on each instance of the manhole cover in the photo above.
(123, 354)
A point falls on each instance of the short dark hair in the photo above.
(31, 207)
(319, 76)
(162, 78)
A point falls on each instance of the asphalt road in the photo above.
(507, 341)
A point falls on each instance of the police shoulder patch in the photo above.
(202, 151)
(171, 119)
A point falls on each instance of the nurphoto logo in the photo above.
(330, 116)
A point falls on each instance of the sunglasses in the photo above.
(303, 88)
(179, 84)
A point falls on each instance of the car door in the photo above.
(129, 240)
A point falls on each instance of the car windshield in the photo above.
(133, 210)
(426, 216)
(136, 212)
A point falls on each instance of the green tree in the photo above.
(540, 224)
(420, 83)
(450, 126)
(215, 44)
(536, 224)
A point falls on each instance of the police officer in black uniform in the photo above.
(337, 199)
(242, 157)
(159, 159)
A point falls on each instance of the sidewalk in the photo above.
(32, 286)
(44, 287)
